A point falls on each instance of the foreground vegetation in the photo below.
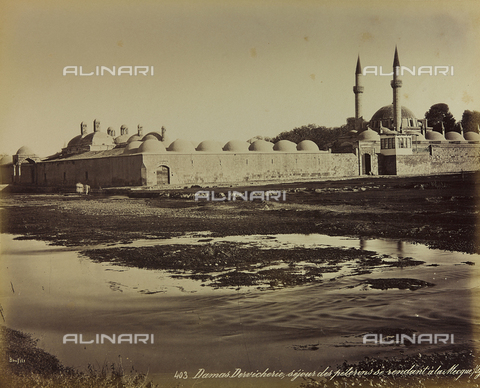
(24, 365)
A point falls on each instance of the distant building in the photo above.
(393, 142)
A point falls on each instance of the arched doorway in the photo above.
(368, 164)
(163, 175)
(32, 166)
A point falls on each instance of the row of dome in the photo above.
(185, 146)
(371, 135)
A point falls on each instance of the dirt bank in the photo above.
(440, 211)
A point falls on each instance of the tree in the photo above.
(440, 113)
(470, 121)
(324, 137)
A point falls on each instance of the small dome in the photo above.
(418, 137)
(353, 132)
(74, 141)
(181, 145)
(132, 147)
(153, 146)
(285, 146)
(134, 138)
(434, 136)
(369, 135)
(261, 146)
(307, 145)
(471, 136)
(166, 141)
(454, 136)
(236, 146)
(122, 139)
(25, 151)
(209, 146)
(151, 135)
(6, 159)
(387, 131)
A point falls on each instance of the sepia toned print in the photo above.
(239, 194)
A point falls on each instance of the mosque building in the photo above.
(393, 142)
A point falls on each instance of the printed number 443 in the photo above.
(181, 375)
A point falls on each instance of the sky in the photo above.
(224, 69)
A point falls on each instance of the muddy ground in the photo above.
(440, 211)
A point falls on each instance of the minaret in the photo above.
(396, 85)
(358, 90)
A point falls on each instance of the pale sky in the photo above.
(223, 69)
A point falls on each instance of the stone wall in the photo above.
(112, 171)
(441, 158)
(227, 167)
(200, 168)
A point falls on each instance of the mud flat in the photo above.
(225, 286)
(441, 211)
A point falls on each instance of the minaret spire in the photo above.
(396, 85)
(396, 61)
(358, 90)
(358, 70)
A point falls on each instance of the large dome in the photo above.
(471, 136)
(132, 147)
(236, 146)
(97, 138)
(209, 146)
(386, 113)
(152, 146)
(308, 145)
(285, 146)
(454, 136)
(261, 146)
(181, 145)
(434, 136)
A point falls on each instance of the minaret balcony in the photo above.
(396, 83)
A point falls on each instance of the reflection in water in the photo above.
(58, 293)
(400, 248)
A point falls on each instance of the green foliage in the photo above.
(439, 113)
(470, 120)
